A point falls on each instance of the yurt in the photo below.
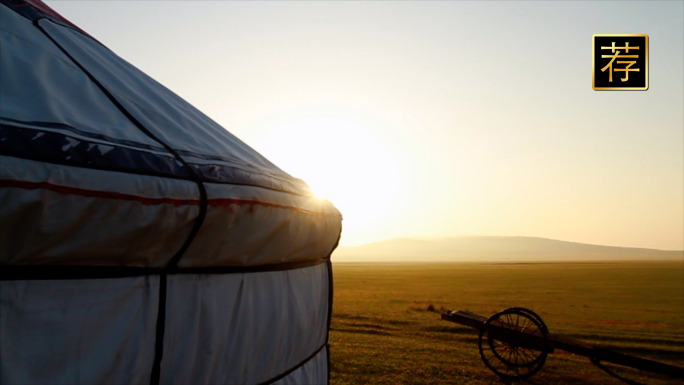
(140, 242)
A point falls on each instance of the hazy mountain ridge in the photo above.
(493, 248)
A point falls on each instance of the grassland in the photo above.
(383, 333)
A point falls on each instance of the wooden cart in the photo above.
(514, 343)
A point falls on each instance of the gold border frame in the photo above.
(593, 70)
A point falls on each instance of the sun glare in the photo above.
(340, 161)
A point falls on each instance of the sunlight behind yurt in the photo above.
(341, 161)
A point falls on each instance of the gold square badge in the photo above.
(620, 62)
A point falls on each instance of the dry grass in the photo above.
(386, 327)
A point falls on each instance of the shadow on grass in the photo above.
(377, 321)
(397, 322)
(498, 381)
(599, 338)
(350, 316)
(449, 329)
(369, 326)
(361, 331)
(674, 355)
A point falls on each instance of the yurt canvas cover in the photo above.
(140, 242)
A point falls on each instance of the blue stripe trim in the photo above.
(65, 127)
(123, 142)
(57, 148)
(119, 155)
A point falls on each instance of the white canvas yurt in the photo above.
(140, 242)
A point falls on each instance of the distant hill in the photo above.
(492, 249)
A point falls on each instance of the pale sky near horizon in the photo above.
(433, 119)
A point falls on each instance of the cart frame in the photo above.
(515, 342)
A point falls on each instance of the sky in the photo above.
(433, 119)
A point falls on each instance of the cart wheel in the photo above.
(506, 346)
(533, 315)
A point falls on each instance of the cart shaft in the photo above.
(536, 342)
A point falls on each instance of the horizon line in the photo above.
(428, 239)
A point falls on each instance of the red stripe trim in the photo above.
(94, 193)
(239, 202)
(149, 201)
(43, 8)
